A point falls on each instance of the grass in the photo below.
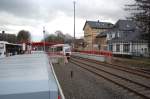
(136, 62)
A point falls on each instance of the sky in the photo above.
(33, 15)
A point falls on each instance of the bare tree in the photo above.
(24, 36)
(58, 36)
(140, 12)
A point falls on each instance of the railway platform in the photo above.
(28, 76)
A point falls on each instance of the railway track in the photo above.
(145, 70)
(142, 73)
(136, 87)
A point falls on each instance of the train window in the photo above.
(126, 47)
(1, 46)
(59, 48)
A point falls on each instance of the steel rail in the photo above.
(148, 87)
(122, 85)
(122, 68)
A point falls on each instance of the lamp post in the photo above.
(44, 37)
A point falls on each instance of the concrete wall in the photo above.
(91, 56)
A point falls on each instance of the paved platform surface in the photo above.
(27, 76)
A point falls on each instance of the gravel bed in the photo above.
(124, 74)
(85, 85)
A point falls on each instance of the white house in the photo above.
(125, 40)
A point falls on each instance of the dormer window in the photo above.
(127, 25)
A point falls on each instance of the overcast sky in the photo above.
(32, 15)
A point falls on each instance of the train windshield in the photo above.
(67, 50)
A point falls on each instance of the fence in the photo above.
(55, 53)
(133, 48)
(105, 53)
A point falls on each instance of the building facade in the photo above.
(101, 40)
(11, 38)
(125, 40)
(79, 44)
(91, 29)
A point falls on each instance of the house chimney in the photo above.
(3, 32)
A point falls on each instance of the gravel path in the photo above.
(85, 85)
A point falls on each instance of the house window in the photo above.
(126, 47)
(117, 47)
(118, 35)
(145, 49)
(110, 47)
(142, 49)
(109, 36)
(99, 46)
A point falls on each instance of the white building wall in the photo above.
(121, 47)
(135, 49)
(140, 49)
(131, 47)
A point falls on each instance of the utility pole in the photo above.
(74, 2)
(44, 37)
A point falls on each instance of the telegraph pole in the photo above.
(74, 2)
(44, 37)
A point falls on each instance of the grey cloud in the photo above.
(47, 10)
(102, 9)
(20, 8)
(94, 9)
(30, 9)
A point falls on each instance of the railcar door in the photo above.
(2, 50)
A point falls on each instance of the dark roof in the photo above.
(127, 36)
(98, 25)
(102, 34)
(125, 25)
(78, 41)
(127, 29)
